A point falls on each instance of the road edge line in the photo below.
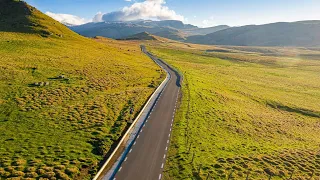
(162, 85)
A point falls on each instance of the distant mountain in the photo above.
(171, 29)
(172, 34)
(204, 31)
(302, 33)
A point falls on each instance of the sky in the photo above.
(203, 13)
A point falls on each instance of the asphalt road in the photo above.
(146, 159)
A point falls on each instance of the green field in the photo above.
(244, 110)
(64, 99)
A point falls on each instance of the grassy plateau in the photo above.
(245, 112)
(64, 99)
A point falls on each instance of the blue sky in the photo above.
(198, 12)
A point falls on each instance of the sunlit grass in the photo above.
(244, 111)
(65, 99)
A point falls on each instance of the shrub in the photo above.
(60, 167)
(72, 171)
(31, 174)
(41, 172)
(49, 175)
(17, 174)
(62, 175)
(31, 169)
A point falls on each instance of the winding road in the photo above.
(146, 159)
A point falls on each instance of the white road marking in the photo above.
(166, 148)
(170, 129)
(167, 141)
(169, 135)
(144, 125)
(141, 131)
(162, 166)
(120, 168)
(171, 124)
(164, 156)
(138, 136)
(126, 159)
(134, 143)
(160, 176)
(130, 150)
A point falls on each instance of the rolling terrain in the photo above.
(246, 111)
(171, 29)
(299, 34)
(65, 99)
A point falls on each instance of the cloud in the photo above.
(149, 9)
(98, 17)
(67, 19)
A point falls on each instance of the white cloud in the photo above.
(149, 9)
(205, 22)
(97, 17)
(67, 19)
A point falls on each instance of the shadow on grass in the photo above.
(14, 16)
(305, 112)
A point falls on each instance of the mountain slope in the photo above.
(175, 30)
(171, 34)
(64, 99)
(205, 31)
(141, 36)
(17, 16)
(118, 30)
(303, 33)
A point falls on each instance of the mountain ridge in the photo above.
(177, 30)
(300, 33)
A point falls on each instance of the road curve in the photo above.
(146, 159)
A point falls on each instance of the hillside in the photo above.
(303, 33)
(172, 34)
(171, 29)
(64, 98)
(205, 31)
(140, 36)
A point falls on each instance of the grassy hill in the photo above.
(141, 36)
(300, 34)
(64, 99)
(244, 110)
(172, 34)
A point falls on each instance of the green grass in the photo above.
(64, 129)
(244, 111)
